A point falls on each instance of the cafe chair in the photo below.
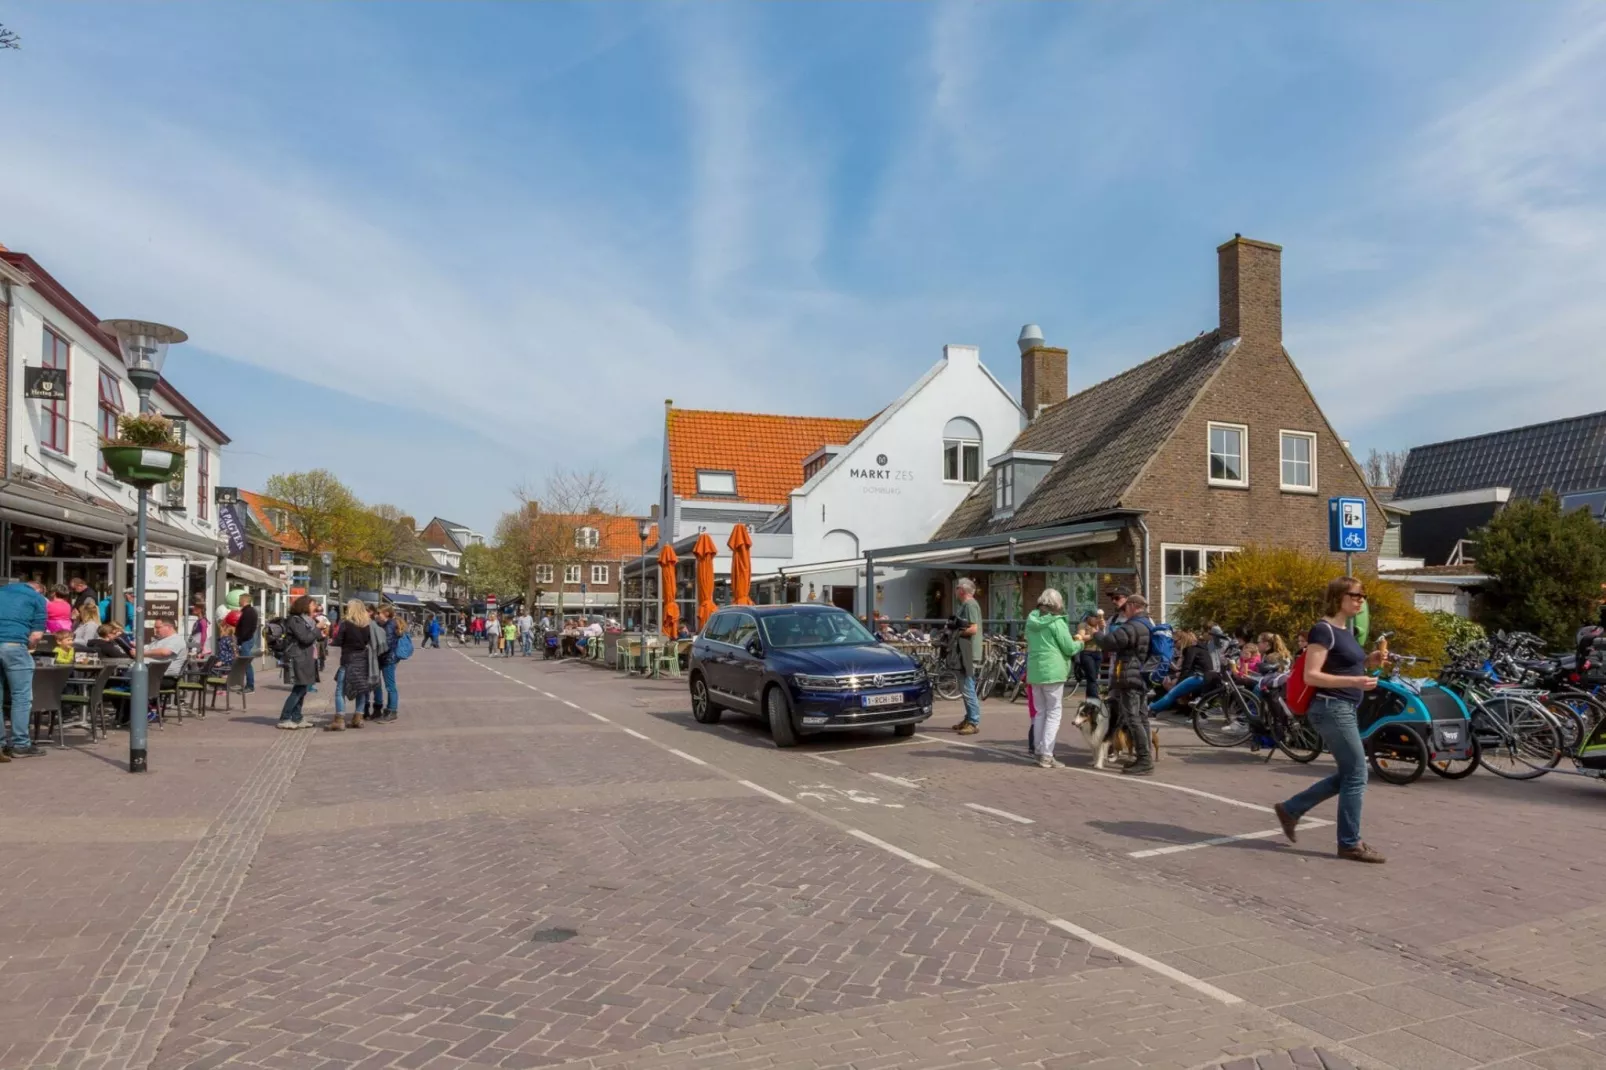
(48, 685)
(232, 684)
(89, 698)
(192, 685)
(122, 690)
(666, 660)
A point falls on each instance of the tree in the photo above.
(1545, 569)
(1275, 589)
(9, 38)
(1383, 468)
(566, 527)
(319, 509)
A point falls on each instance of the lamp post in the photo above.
(144, 349)
(643, 529)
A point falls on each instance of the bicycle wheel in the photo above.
(1517, 740)
(1295, 737)
(1220, 722)
(946, 684)
(1572, 724)
(1452, 769)
(1398, 754)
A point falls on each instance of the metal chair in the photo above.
(666, 660)
(92, 699)
(48, 685)
(192, 685)
(233, 684)
(153, 684)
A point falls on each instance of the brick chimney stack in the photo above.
(1044, 372)
(1251, 290)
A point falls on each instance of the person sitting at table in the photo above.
(169, 647)
(88, 616)
(64, 649)
(109, 642)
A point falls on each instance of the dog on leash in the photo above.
(1093, 720)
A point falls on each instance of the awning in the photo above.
(167, 537)
(255, 576)
(812, 568)
(403, 600)
(999, 545)
(31, 505)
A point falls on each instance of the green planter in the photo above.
(142, 466)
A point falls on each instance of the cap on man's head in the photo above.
(1121, 592)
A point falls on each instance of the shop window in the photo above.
(599, 573)
(587, 538)
(111, 407)
(203, 483)
(571, 573)
(721, 483)
(543, 573)
(1298, 450)
(1184, 567)
(1229, 455)
(961, 451)
(54, 414)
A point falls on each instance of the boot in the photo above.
(337, 724)
(356, 720)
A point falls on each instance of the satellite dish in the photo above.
(1031, 336)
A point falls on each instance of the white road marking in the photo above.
(688, 757)
(923, 863)
(633, 732)
(832, 793)
(571, 705)
(777, 796)
(898, 780)
(1137, 958)
(823, 758)
(1216, 841)
(1005, 814)
(598, 716)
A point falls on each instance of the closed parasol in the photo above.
(704, 550)
(741, 547)
(666, 587)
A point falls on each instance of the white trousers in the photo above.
(1049, 700)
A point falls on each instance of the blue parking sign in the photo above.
(1346, 525)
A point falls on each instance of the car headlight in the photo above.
(815, 683)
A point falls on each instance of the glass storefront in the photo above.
(53, 558)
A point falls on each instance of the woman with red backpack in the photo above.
(1335, 667)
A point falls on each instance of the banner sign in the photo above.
(45, 384)
(232, 525)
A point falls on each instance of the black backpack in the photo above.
(276, 636)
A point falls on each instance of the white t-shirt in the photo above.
(593, 629)
(173, 645)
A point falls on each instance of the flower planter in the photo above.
(142, 466)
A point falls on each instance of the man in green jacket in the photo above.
(1050, 646)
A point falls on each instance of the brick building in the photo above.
(585, 558)
(1146, 479)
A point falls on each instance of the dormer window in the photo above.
(720, 484)
(587, 538)
(1016, 475)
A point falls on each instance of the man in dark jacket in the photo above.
(245, 634)
(1128, 639)
(387, 666)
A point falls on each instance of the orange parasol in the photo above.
(741, 546)
(704, 550)
(666, 589)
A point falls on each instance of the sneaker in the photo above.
(30, 751)
(390, 715)
(1361, 853)
(960, 725)
(287, 724)
(967, 728)
(1139, 769)
(1046, 761)
(1287, 821)
(304, 724)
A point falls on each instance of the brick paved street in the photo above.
(549, 865)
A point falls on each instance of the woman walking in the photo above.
(301, 659)
(1336, 666)
(357, 683)
(1049, 650)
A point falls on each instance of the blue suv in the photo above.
(804, 669)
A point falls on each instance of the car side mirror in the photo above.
(755, 648)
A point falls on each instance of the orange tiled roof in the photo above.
(616, 534)
(766, 452)
(259, 504)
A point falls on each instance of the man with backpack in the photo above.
(1128, 639)
(398, 647)
(245, 634)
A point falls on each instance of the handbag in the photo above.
(1298, 693)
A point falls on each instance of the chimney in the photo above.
(1251, 290)
(1044, 372)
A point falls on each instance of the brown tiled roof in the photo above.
(766, 452)
(1105, 435)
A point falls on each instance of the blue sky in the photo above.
(441, 249)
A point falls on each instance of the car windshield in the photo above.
(801, 628)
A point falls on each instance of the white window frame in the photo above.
(543, 573)
(1004, 489)
(962, 446)
(587, 538)
(1204, 566)
(1294, 488)
(718, 473)
(1243, 439)
(599, 573)
(571, 574)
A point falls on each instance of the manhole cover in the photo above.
(553, 936)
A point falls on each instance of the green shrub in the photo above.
(1458, 634)
(1545, 567)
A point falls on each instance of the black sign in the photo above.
(45, 384)
(159, 605)
(226, 495)
(181, 429)
(233, 528)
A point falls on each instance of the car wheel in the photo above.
(904, 730)
(780, 718)
(703, 707)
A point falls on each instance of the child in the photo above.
(510, 635)
(227, 648)
(64, 651)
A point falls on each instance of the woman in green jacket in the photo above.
(1050, 646)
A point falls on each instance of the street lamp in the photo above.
(144, 348)
(643, 529)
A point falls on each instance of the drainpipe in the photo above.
(1145, 529)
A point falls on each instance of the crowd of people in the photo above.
(507, 634)
(368, 645)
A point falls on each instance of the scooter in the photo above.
(1409, 726)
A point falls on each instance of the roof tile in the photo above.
(766, 452)
(1562, 455)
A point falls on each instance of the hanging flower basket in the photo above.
(144, 452)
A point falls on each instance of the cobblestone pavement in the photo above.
(550, 865)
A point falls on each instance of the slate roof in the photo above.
(766, 452)
(1562, 455)
(1105, 435)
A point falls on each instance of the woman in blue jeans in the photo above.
(1336, 666)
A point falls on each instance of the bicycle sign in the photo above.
(1346, 525)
